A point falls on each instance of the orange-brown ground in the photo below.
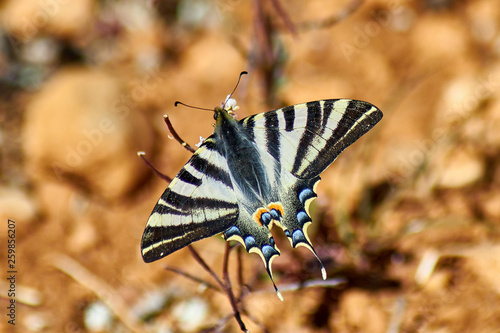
(408, 217)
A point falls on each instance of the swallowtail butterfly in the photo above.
(254, 173)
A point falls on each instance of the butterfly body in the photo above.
(254, 173)
(250, 181)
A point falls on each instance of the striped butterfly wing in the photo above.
(198, 203)
(296, 144)
(306, 138)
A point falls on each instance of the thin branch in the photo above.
(240, 270)
(105, 292)
(166, 178)
(226, 285)
(334, 19)
(328, 283)
(203, 264)
(176, 136)
(255, 320)
(229, 288)
(217, 327)
(284, 16)
(192, 277)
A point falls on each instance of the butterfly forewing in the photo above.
(310, 136)
(198, 203)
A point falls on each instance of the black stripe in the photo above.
(198, 163)
(249, 124)
(188, 233)
(188, 177)
(289, 114)
(218, 174)
(180, 201)
(168, 210)
(339, 140)
(172, 231)
(271, 118)
(182, 204)
(311, 129)
(353, 112)
(204, 166)
(327, 111)
(273, 137)
(156, 234)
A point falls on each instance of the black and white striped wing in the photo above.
(306, 138)
(297, 143)
(199, 203)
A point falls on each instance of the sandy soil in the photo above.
(406, 220)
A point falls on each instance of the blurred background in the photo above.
(406, 220)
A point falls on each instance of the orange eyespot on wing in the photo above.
(259, 219)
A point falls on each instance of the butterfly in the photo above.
(254, 173)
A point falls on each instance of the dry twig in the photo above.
(105, 292)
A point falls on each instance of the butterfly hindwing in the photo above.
(198, 203)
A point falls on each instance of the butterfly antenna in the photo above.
(235, 87)
(192, 107)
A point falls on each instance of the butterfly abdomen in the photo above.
(251, 182)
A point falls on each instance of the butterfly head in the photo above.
(229, 105)
(226, 110)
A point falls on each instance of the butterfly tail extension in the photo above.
(296, 217)
(268, 253)
(256, 239)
